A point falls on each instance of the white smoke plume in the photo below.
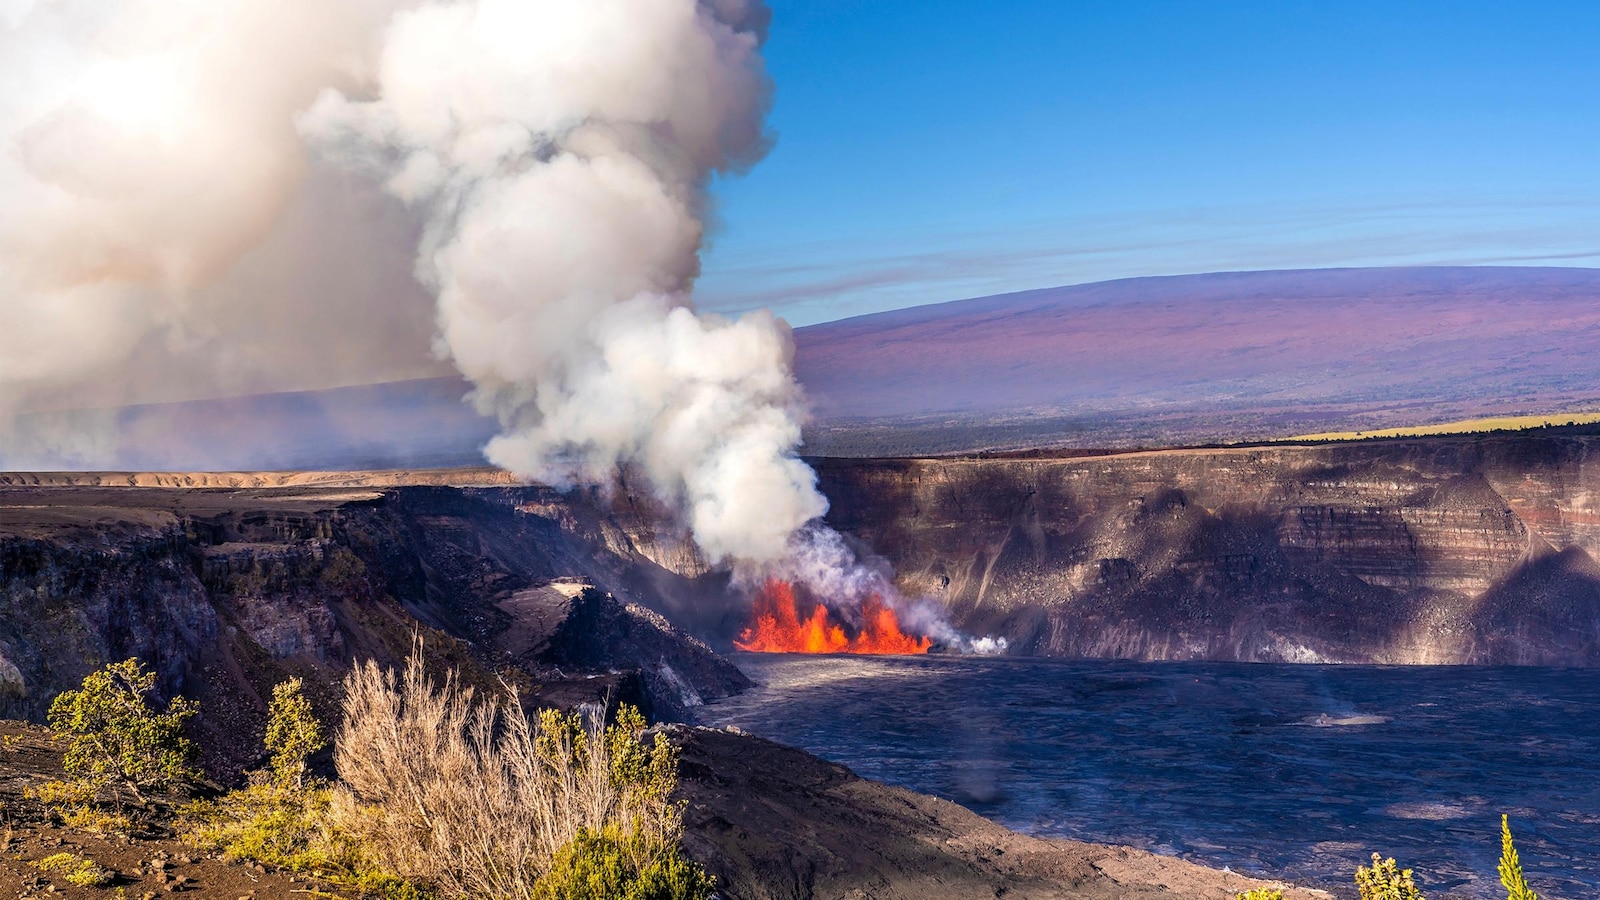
(844, 577)
(208, 197)
(547, 164)
(561, 155)
(156, 230)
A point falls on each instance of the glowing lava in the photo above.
(778, 628)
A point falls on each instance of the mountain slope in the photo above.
(1140, 362)
(1204, 357)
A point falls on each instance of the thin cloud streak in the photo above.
(831, 280)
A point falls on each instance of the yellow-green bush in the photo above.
(279, 819)
(266, 823)
(614, 865)
(293, 733)
(79, 870)
(120, 747)
(1261, 894)
(76, 804)
(1385, 881)
(382, 885)
(1511, 867)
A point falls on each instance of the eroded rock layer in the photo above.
(1474, 549)
(225, 591)
(1477, 549)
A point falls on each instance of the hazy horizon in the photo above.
(1163, 361)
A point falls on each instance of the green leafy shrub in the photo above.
(1511, 867)
(279, 819)
(120, 746)
(78, 870)
(1385, 881)
(266, 823)
(614, 865)
(282, 819)
(1260, 894)
(293, 733)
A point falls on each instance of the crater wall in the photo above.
(223, 591)
(1473, 549)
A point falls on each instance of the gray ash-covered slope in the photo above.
(1471, 549)
(1199, 358)
(225, 591)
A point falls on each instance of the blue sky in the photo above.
(931, 150)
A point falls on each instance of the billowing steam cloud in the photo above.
(822, 560)
(547, 163)
(160, 225)
(259, 195)
(561, 153)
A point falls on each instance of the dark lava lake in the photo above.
(1291, 771)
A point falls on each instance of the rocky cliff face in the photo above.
(1474, 549)
(224, 592)
(1444, 550)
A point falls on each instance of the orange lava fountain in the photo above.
(778, 628)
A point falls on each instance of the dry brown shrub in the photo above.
(472, 796)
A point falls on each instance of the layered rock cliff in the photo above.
(1477, 549)
(1472, 549)
(225, 591)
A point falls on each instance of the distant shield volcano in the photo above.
(1145, 361)
(1200, 358)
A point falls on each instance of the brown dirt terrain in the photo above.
(143, 867)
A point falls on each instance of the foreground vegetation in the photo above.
(1385, 880)
(440, 793)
